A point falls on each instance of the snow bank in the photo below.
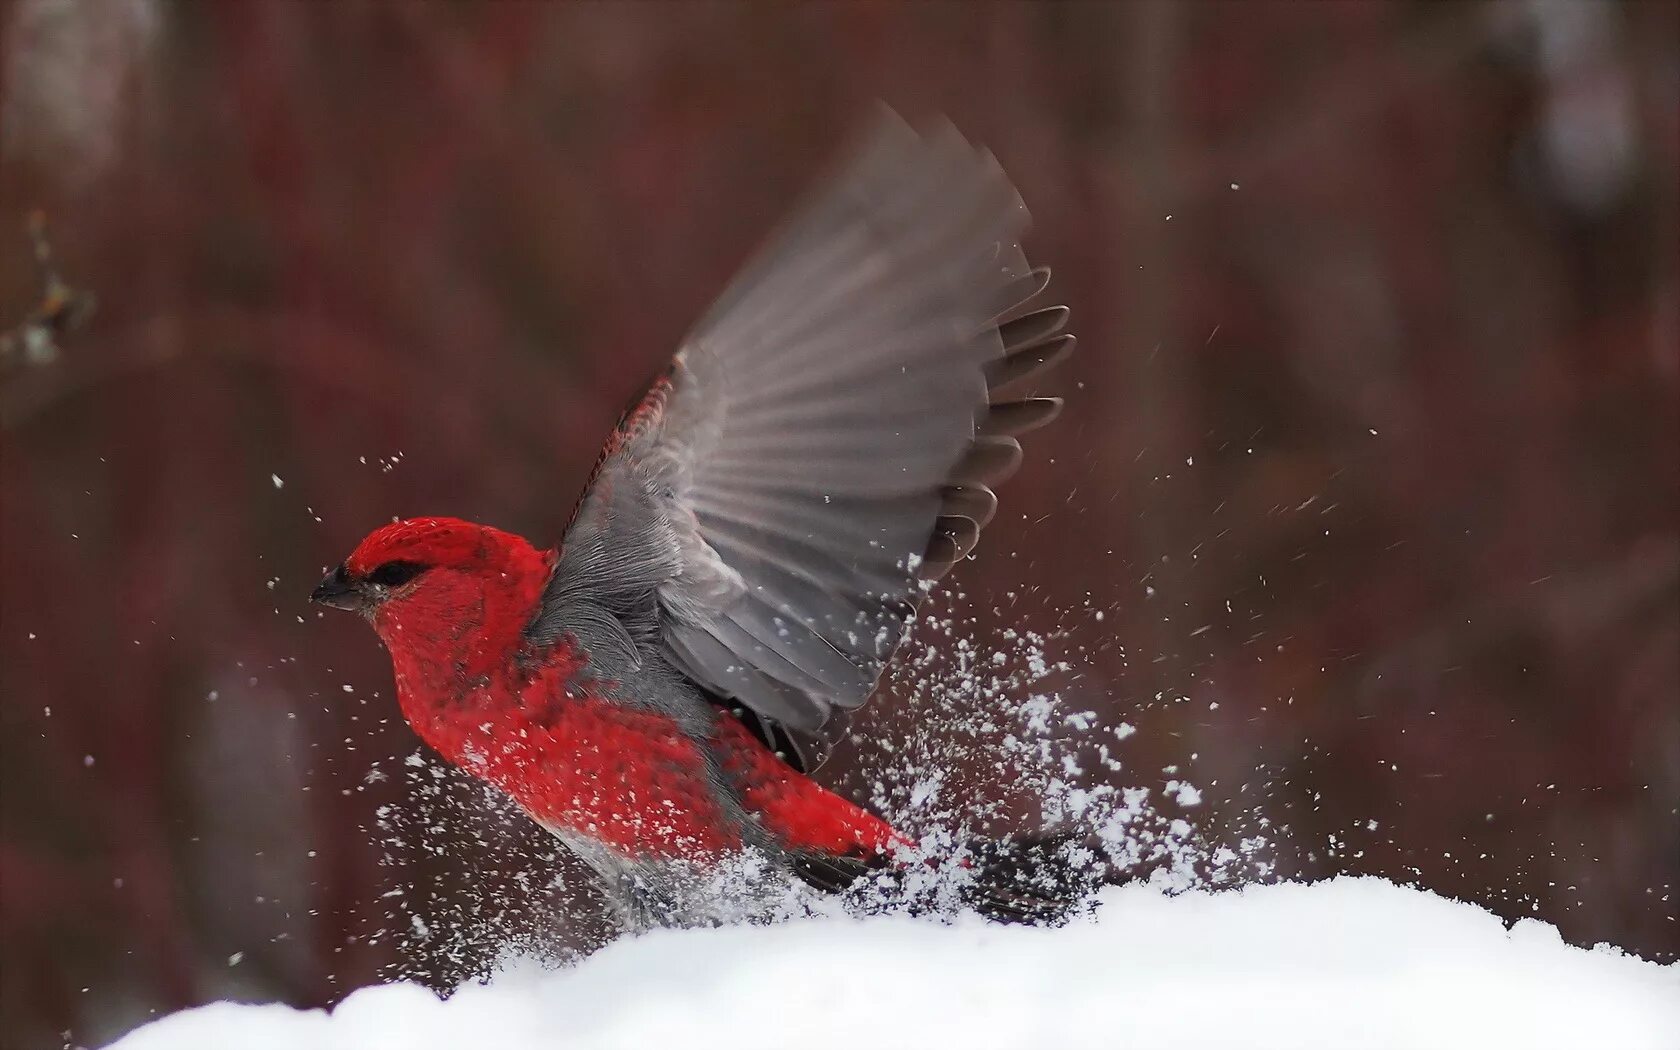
(1344, 964)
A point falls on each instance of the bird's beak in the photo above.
(336, 590)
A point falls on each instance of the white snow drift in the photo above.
(1342, 965)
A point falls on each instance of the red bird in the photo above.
(748, 550)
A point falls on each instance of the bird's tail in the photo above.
(1037, 880)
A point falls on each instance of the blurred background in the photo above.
(1371, 462)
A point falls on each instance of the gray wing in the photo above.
(823, 442)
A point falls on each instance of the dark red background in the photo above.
(1378, 383)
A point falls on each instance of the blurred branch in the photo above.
(60, 309)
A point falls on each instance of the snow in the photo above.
(1343, 964)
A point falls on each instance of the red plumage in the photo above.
(537, 725)
(749, 547)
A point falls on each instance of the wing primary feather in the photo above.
(964, 532)
(1018, 291)
(1013, 418)
(1028, 362)
(975, 502)
(990, 460)
(1032, 329)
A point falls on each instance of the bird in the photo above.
(658, 689)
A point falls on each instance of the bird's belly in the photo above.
(647, 892)
(630, 781)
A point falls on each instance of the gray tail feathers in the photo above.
(1037, 880)
(1040, 880)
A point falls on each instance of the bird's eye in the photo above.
(395, 573)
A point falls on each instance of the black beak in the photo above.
(337, 591)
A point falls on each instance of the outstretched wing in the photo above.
(825, 439)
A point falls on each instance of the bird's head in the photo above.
(434, 583)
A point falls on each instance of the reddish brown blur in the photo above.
(1372, 439)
